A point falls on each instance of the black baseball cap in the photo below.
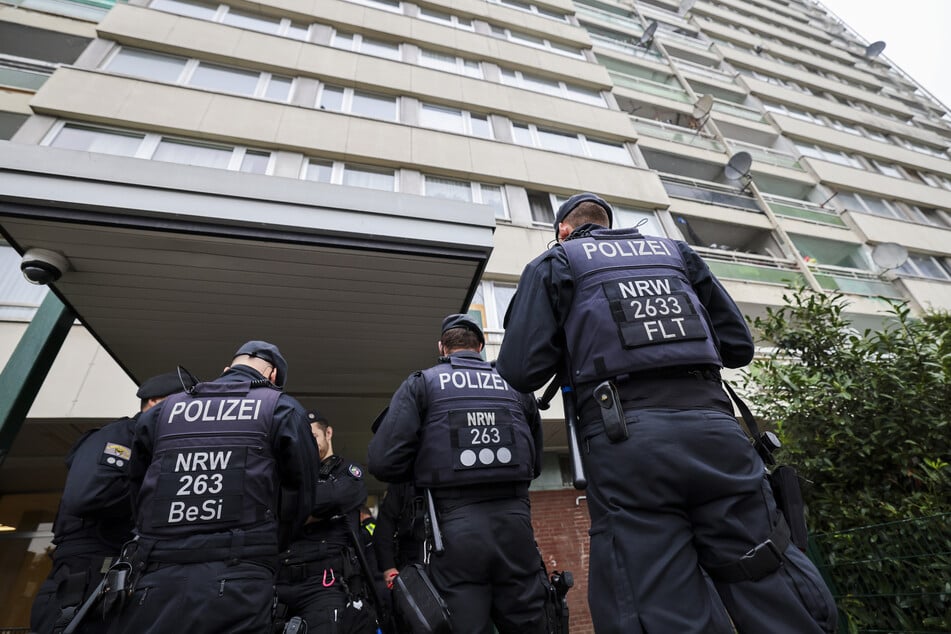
(569, 205)
(460, 320)
(161, 386)
(268, 352)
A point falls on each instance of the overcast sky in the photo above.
(916, 34)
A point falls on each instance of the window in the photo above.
(350, 174)
(198, 74)
(645, 221)
(130, 61)
(224, 79)
(868, 204)
(492, 300)
(223, 13)
(369, 46)
(74, 137)
(543, 207)
(357, 102)
(389, 5)
(159, 148)
(920, 265)
(189, 153)
(369, 177)
(445, 18)
(454, 120)
(570, 143)
(491, 195)
(450, 63)
(887, 169)
(520, 37)
(531, 8)
(828, 154)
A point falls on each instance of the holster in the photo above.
(607, 398)
(785, 483)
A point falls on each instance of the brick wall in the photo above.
(561, 529)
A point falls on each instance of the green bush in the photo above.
(864, 417)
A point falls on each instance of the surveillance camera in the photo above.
(41, 266)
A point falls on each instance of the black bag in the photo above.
(419, 603)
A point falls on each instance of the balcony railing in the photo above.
(802, 210)
(672, 36)
(650, 87)
(737, 110)
(675, 133)
(705, 71)
(624, 47)
(16, 72)
(707, 192)
(632, 24)
(92, 10)
(768, 155)
(854, 281)
(750, 267)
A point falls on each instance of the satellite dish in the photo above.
(738, 167)
(648, 35)
(703, 107)
(889, 255)
(874, 49)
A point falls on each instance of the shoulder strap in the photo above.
(745, 412)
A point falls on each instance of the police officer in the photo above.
(460, 430)
(320, 579)
(94, 518)
(208, 465)
(400, 529)
(673, 482)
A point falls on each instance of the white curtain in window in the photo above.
(192, 154)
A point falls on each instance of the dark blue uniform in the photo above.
(319, 579)
(207, 469)
(686, 490)
(460, 430)
(400, 531)
(94, 520)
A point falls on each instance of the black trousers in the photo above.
(199, 597)
(322, 600)
(69, 584)
(491, 571)
(687, 490)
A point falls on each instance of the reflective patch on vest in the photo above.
(200, 486)
(355, 471)
(652, 310)
(481, 439)
(116, 456)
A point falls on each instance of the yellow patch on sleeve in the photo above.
(120, 451)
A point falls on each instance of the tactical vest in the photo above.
(634, 308)
(212, 468)
(475, 430)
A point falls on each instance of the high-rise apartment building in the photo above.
(337, 175)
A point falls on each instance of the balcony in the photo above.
(802, 210)
(704, 71)
(90, 10)
(767, 155)
(854, 281)
(628, 23)
(707, 192)
(650, 87)
(23, 74)
(748, 267)
(675, 133)
(735, 109)
(627, 48)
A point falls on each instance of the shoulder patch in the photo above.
(115, 455)
(356, 471)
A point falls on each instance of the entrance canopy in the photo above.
(178, 265)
